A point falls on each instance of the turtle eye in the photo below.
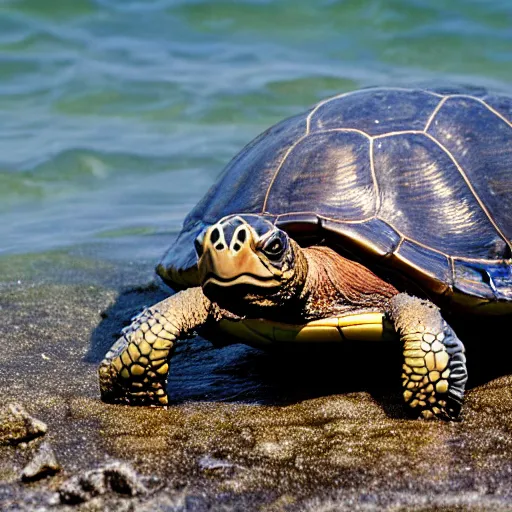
(274, 248)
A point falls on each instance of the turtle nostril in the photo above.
(237, 247)
(242, 236)
(214, 236)
(219, 247)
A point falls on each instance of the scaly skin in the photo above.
(135, 369)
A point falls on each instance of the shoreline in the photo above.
(246, 428)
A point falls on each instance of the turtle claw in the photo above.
(447, 410)
(117, 390)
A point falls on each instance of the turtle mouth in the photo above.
(245, 278)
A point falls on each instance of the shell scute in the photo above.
(481, 143)
(376, 111)
(431, 267)
(300, 225)
(501, 104)
(327, 173)
(486, 280)
(373, 236)
(424, 196)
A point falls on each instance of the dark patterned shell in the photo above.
(421, 179)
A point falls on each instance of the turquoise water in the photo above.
(116, 115)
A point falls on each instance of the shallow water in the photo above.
(118, 114)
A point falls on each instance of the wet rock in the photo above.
(44, 463)
(17, 426)
(117, 478)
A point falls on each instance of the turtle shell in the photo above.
(417, 181)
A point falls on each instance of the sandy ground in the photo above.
(247, 430)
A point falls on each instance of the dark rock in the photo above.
(17, 426)
(44, 463)
(117, 477)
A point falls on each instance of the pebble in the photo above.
(17, 426)
(44, 463)
(116, 477)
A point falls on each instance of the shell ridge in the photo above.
(399, 132)
(451, 262)
(325, 217)
(399, 233)
(398, 245)
(374, 178)
(343, 130)
(279, 167)
(434, 113)
(321, 104)
(340, 221)
(485, 104)
(408, 238)
(329, 100)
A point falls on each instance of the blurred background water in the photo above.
(117, 115)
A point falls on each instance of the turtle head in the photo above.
(245, 257)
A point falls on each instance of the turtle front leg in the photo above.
(135, 369)
(434, 371)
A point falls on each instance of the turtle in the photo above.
(372, 216)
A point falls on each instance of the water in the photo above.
(116, 115)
